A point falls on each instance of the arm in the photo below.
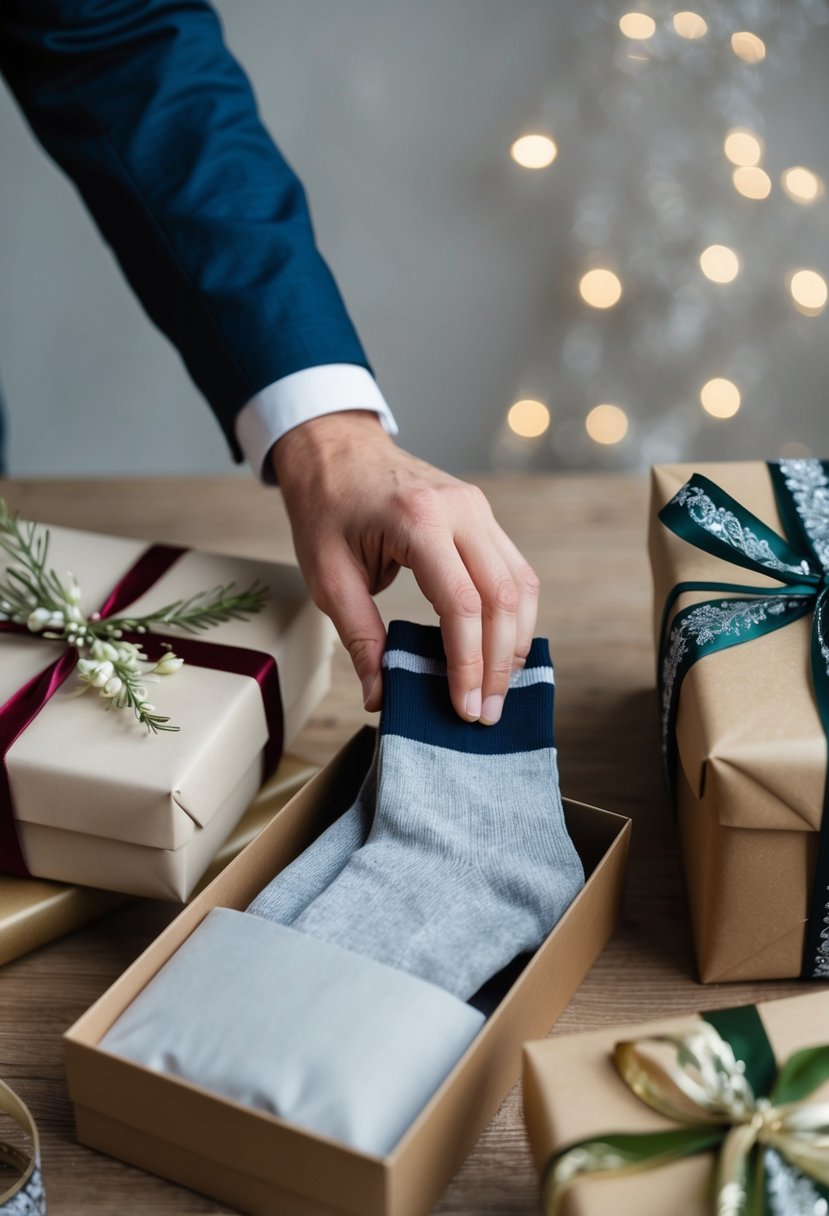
(143, 106)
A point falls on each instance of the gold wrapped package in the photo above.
(751, 756)
(577, 1097)
(99, 802)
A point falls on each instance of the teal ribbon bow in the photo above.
(724, 1093)
(710, 519)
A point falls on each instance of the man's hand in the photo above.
(360, 508)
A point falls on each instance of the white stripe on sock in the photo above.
(532, 675)
(414, 662)
(420, 665)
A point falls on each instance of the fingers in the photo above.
(446, 583)
(529, 587)
(500, 604)
(340, 589)
(486, 596)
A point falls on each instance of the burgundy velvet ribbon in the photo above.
(28, 701)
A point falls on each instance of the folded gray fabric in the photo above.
(329, 1040)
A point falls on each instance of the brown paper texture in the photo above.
(97, 800)
(259, 1163)
(572, 1091)
(33, 912)
(752, 758)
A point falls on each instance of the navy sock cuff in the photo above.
(416, 700)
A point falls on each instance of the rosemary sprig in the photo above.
(30, 584)
(33, 595)
(200, 611)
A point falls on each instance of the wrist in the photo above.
(323, 439)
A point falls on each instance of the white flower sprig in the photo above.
(34, 596)
(116, 671)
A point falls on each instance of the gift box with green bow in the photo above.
(717, 1114)
(740, 558)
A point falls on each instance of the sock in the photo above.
(295, 887)
(468, 862)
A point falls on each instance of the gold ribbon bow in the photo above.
(703, 1088)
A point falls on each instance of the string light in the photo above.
(751, 182)
(637, 25)
(748, 47)
(720, 398)
(719, 264)
(528, 418)
(607, 424)
(671, 239)
(743, 147)
(809, 292)
(534, 151)
(600, 288)
(801, 184)
(690, 25)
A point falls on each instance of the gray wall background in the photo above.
(458, 267)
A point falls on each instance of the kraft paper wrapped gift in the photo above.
(261, 1164)
(750, 751)
(574, 1092)
(34, 912)
(99, 802)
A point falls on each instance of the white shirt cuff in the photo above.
(310, 393)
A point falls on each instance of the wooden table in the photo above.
(585, 535)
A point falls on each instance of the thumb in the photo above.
(344, 595)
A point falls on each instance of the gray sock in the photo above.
(468, 862)
(295, 887)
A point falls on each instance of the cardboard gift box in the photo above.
(258, 1162)
(34, 912)
(574, 1093)
(99, 802)
(751, 757)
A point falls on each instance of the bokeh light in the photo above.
(801, 184)
(720, 398)
(534, 151)
(748, 46)
(637, 25)
(743, 147)
(690, 25)
(600, 288)
(809, 292)
(751, 182)
(606, 424)
(528, 418)
(719, 264)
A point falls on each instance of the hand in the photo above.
(360, 508)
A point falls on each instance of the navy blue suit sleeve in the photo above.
(142, 104)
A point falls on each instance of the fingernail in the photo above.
(491, 710)
(369, 685)
(473, 704)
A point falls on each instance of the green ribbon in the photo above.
(725, 1091)
(707, 517)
